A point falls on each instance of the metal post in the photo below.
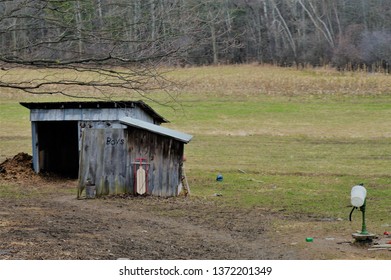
(364, 226)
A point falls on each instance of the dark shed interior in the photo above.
(58, 147)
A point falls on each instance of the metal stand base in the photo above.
(364, 237)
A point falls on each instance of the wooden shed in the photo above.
(117, 147)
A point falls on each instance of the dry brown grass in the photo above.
(239, 81)
(254, 80)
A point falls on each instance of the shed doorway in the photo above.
(58, 150)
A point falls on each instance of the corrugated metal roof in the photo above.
(183, 137)
(95, 104)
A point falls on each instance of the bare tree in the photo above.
(375, 49)
(121, 42)
(285, 28)
(90, 39)
(318, 22)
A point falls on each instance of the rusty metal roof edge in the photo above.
(181, 136)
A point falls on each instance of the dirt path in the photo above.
(136, 228)
(62, 227)
(40, 218)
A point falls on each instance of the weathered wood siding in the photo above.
(103, 159)
(88, 114)
(164, 156)
(108, 158)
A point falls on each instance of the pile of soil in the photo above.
(18, 167)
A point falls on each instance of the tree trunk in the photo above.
(214, 43)
(79, 26)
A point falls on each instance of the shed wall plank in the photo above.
(88, 114)
(164, 155)
(103, 159)
(108, 157)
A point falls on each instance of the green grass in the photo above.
(10, 190)
(285, 140)
(303, 138)
(15, 135)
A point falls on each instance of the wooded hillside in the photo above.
(343, 33)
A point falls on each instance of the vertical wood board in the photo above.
(164, 156)
(103, 159)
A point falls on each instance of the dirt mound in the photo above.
(17, 168)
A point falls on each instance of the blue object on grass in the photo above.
(219, 178)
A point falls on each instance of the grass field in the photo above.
(285, 140)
